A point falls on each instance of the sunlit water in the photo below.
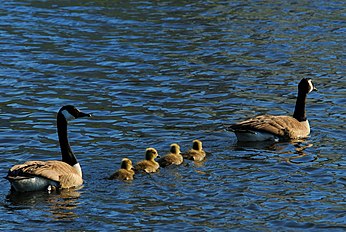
(154, 73)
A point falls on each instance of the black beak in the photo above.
(81, 115)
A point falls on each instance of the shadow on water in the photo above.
(60, 204)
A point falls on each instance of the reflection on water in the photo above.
(60, 205)
(291, 151)
(301, 157)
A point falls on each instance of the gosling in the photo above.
(148, 165)
(172, 158)
(196, 153)
(125, 172)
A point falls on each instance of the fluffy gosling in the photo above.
(148, 165)
(196, 153)
(173, 157)
(125, 172)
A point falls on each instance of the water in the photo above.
(155, 73)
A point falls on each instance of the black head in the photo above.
(306, 86)
(70, 112)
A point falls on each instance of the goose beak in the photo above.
(81, 115)
(314, 89)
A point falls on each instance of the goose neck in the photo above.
(66, 151)
(299, 111)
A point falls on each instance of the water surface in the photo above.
(162, 72)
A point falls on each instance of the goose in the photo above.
(125, 172)
(276, 128)
(196, 153)
(54, 174)
(173, 157)
(149, 164)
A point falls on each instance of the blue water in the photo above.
(162, 72)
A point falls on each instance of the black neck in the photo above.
(299, 111)
(66, 151)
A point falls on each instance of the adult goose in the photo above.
(275, 128)
(54, 174)
(172, 158)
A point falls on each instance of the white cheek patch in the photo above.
(67, 115)
(310, 85)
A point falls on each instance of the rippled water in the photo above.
(154, 73)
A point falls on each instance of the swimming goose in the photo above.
(45, 175)
(149, 164)
(196, 153)
(270, 127)
(125, 172)
(173, 157)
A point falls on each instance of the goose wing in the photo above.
(284, 126)
(57, 171)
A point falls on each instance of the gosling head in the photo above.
(175, 148)
(151, 154)
(126, 164)
(197, 145)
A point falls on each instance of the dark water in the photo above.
(157, 72)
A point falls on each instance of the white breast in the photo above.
(78, 169)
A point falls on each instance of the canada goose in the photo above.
(173, 157)
(149, 164)
(196, 153)
(125, 172)
(45, 175)
(270, 127)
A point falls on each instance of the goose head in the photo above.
(126, 164)
(151, 154)
(306, 86)
(70, 112)
(175, 148)
(197, 145)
